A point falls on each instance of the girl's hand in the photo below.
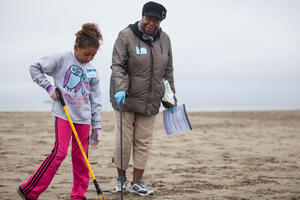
(95, 137)
(52, 93)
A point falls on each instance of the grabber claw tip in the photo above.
(101, 197)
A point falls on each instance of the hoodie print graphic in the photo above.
(76, 79)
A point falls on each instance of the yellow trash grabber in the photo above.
(62, 101)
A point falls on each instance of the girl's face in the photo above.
(85, 55)
(150, 24)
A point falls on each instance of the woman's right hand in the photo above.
(120, 96)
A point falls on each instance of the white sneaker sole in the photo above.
(118, 191)
(140, 194)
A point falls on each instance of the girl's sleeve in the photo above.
(45, 65)
(95, 99)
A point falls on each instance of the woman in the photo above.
(142, 58)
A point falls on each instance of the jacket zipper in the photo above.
(151, 78)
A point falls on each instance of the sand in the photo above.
(227, 156)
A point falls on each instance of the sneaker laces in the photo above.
(140, 182)
(121, 178)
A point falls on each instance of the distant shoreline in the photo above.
(189, 111)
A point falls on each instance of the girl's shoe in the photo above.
(20, 192)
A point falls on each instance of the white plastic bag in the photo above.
(169, 95)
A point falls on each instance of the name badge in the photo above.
(141, 50)
(91, 73)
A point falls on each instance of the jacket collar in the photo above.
(142, 36)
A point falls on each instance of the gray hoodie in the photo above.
(79, 83)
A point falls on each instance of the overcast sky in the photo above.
(228, 54)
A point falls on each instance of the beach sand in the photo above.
(227, 156)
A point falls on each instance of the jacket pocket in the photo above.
(139, 86)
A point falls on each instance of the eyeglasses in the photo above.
(152, 19)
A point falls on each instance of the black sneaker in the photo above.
(20, 192)
(140, 188)
(118, 184)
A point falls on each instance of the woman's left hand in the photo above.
(95, 137)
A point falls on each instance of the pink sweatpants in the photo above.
(43, 176)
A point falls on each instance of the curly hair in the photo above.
(89, 36)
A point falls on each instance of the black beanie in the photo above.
(154, 9)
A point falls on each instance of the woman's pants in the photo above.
(137, 134)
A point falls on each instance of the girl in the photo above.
(79, 82)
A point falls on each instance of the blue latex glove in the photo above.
(95, 137)
(172, 109)
(120, 96)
